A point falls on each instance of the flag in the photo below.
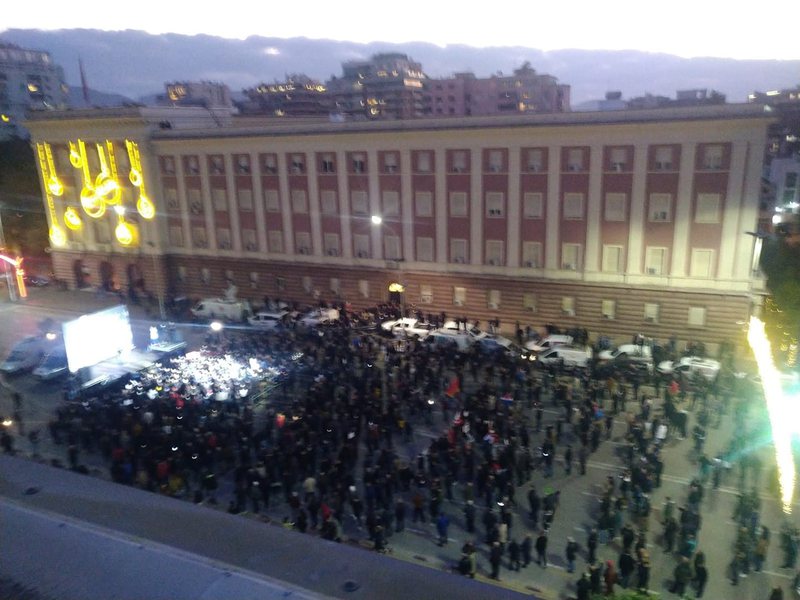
(454, 388)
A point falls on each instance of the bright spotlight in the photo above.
(377, 219)
(216, 326)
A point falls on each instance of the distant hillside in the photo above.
(135, 63)
(99, 99)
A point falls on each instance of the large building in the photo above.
(29, 81)
(623, 223)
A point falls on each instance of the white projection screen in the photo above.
(93, 338)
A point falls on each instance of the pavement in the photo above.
(417, 545)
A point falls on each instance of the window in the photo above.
(532, 205)
(494, 253)
(361, 243)
(331, 243)
(575, 159)
(790, 180)
(619, 159)
(423, 203)
(358, 202)
(326, 164)
(612, 259)
(707, 208)
(181, 273)
(459, 158)
(532, 255)
(168, 164)
(608, 309)
(660, 209)
(245, 199)
(299, 201)
(459, 296)
(458, 204)
(307, 283)
(391, 203)
(423, 162)
(529, 301)
(697, 316)
(359, 162)
(192, 165)
(199, 237)
(224, 238)
(219, 198)
(216, 165)
(702, 263)
(391, 248)
(171, 197)
(615, 207)
(655, 260)
(275, 241)
(573, 206)
(363, 288)
(302, 242)
(327, 199)
(205, 275)
(458, 251)
(712, 157)
(390, 162)
(493, 299)
(535, 163)
(336, 285)
(570, 257)
(425, 249)
(426, 294)
(253, 279)
(270, 164)
(663, 158)
(242, 164)
(495, 161)
(195, 201)
(297, 164)
(651, 310)
(495, 204)
(175, 236)
(568, 306)
(249, 240)
(272, 200)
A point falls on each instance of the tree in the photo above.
(21, 209)
(780, 261)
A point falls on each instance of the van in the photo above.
(53, 365)
(24, 356)
(635, 354)
(221, 308)
(267, 320)
(549, 342)
(461, 343)
(569, 356)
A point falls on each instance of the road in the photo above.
(579, 494)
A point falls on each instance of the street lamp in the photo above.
(399, 287)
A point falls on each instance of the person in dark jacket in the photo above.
(526, 547)
(514, 555)
(583, 588)
(626, 566)
(541, 549)
(571, 554)
(495, 556)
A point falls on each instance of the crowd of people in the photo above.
(327, 444)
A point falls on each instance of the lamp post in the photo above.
(378, 221)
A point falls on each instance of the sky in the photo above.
(686, 28)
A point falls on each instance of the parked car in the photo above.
(690, 365)
(25, 355)
(222, 308)
(53, 365)
(548, 342)
(448, 342)
(267, 320)
(33, 280)
(498, 344)
(637, 354)
(319, 316)
(408, 327)
(470, 334)
(568, 356)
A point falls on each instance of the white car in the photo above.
(53, 365)
(632, 353)
(471, 333)
(690, 365)
(267, 320)
(408, 327)
(319, 316)
(551, 341)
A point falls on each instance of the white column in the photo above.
(407, 207)
(476, 209)
(208, 205)
(730, 212)
(377, 233)
(552, 230)
(183, 203)
(286, 205)
(313, 205)
(344, 204)
(682, 219)
(258, 203)
(748, 209)
(233, 205)
(594, 204)
(513, 214)
(440, 202)
(636, 217)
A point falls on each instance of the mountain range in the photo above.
(135, 64)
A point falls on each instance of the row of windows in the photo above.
(533, 160)
(531, 301)
(615, 206)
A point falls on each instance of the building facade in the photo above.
(29, 80)
(623, 223)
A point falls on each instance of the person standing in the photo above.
(495, 555)
(643, 570)
(442, 523)
(568, 460)
(541, 549)
(626, 566)
(571, 554)
(469, 516)
(514, 555)
(526, 547)
(681, 576)
(700, 579)
(610, 577)
(400, 515)
(591, 546)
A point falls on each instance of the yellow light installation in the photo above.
(58, 236)
(125, 233)
(53, 183)
(72, 219)
(782, 412)
(144, 205)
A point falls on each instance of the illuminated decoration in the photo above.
(5, 118)
(53, 183)
(782, 414)
(58, 236)
(398, 288)
(72, 219)
(125, 233)
(144, 205)
(19, 272)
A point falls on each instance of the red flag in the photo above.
(454, 388)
